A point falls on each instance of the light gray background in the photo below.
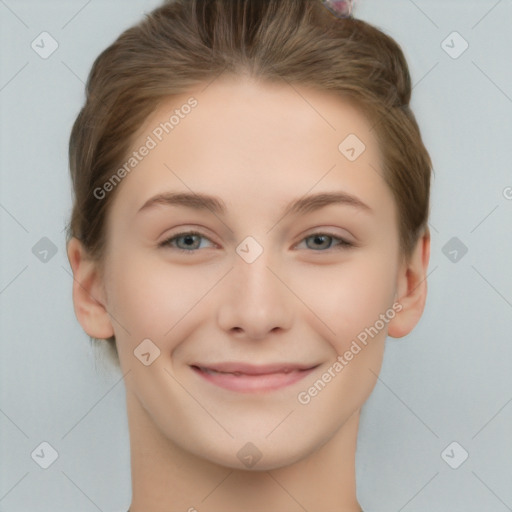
(449, 380)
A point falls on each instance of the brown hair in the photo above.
(187, 42)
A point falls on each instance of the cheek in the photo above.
(150, 298)
(351, 297)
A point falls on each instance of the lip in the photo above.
(247, 378)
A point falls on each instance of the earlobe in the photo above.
(88, 295)
(412, 289)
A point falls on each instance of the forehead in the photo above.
(254, 113)
(246, 138)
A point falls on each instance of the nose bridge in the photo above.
(255, 300)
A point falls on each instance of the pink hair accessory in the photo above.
(340, 8)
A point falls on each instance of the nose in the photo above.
(255, 300)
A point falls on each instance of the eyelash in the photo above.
(167, 243)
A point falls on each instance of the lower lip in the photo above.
(253, 383)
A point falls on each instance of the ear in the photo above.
(411, 289)
(88, 293)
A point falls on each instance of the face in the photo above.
(291, 261)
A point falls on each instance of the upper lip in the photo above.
(250, 369)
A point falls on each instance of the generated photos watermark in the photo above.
(304, 397)
(151, 142)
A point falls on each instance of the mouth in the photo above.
(247, 378)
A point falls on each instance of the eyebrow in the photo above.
(306, 204)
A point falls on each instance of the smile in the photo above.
(249, 379)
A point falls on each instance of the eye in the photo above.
(324, 241)
(189, 239)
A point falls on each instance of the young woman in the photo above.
(249, 224)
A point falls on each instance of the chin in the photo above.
(258, 455)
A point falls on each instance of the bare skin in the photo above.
(304, 299)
